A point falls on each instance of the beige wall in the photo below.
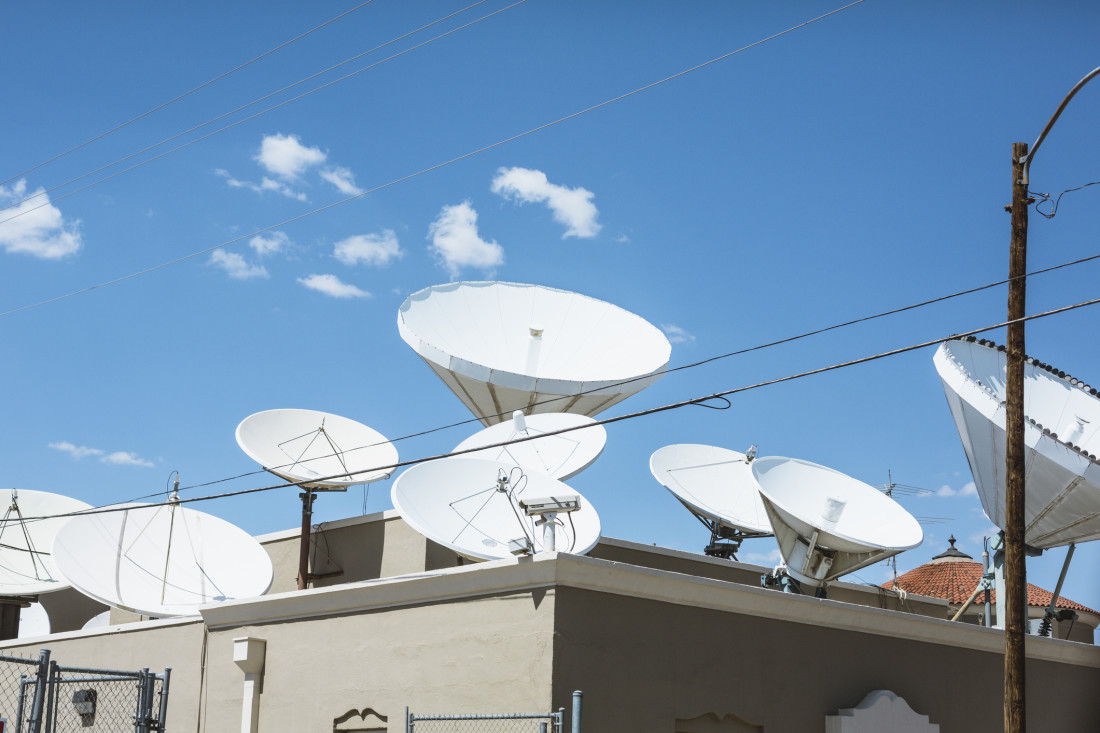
(643, 664)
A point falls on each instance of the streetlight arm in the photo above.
(1042, 135)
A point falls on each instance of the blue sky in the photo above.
(852, 166)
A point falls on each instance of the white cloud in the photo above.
(343, 179)
(332, 285)
(76, 451)
(371, 249)
(676, 335)
(126, 458)
(757, 558)
(264, 245)
(968, 489)
(118, 458)
(456, 243)
(267, 184)
(235, 265)
(286, 157)
(34, 226)
(572, 207)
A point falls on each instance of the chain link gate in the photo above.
(503, 723)
(42, 696)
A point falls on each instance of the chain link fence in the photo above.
(503, 723)
(41, 696)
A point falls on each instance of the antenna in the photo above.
(160, 559)
(558, 456)
(828, 524)
(320, 452)
(717, 486)
(487, 510)
(503, 346)
(1061, 440)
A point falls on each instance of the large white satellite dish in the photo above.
(160, 559)
(317, 448)
(30, 522)
(1061, 435)
(502, 347)
(828, 524)
(717, 486)
(461, 504)
(558, 456)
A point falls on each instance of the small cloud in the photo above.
(976, 539)
(125, 458)
(76, 451)
(457, 244)
(572, 207)
(758, 558)
(343, 179)
(622, 239)
(267, 244)
(235, 265)
(267, 184)
(676, 335)
(118, 458)
(968, 489)
(371, 249)
(286, 157)
(333, 286)
(32, 225)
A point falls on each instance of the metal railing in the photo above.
(553, 722)
(42, 696)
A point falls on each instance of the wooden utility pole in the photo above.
(1015, 578)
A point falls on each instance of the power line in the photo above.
(683, 367)
(410, 176)
(186, 94)
(696, 401)
(223, 116)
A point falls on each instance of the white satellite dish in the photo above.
(99, 621)
(30, 522)
(717, 486)
(1061, 436)
(557, 456)
(33, 621)
(319, 449)
(160, 559)
(828, 524)
(502, 347)
(461, 504)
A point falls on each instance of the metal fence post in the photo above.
(51, 698)
(408, 721)
(19, 703)
(542, 727)
(163, 714)
(577, 699)
(39, 691)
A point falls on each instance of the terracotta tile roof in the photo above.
(956, 580)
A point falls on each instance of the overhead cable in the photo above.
(178, 135)
(695, 401)
(682, 367)
(410, 176)
(159, 107)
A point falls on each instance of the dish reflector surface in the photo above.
(311, 446)
(33, 621)
(161, 560)
(26, 566)
(829, 524)
(557, 456)
(714, 483)
(455, 502)
(506, 346)
(1061, 438)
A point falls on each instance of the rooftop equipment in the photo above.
(502, 347)
(559, 456)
